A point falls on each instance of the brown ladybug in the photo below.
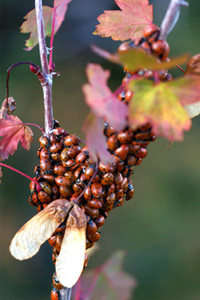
(151, 33)
(91, 227)
(71, 139)
(56, 282)
(96, 189)
(55, 294)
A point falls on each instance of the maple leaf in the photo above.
(137, 59)
(193, 65)
(30, 25)
(101, 100)
(13, 131)
(188, 91)
(127, 23)
(160, 105)
(93, 128)
(107, 282)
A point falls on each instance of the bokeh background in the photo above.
(160, 227)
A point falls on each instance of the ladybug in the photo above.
(111, 189)
(71, 139)
(52, 241)
(45, 164)
(88, 193)
(73, 151)
(119, 202)
(96, 189)
(112, 142)
(118, 180)
(125, 137)
(56, 147)
(122, 151)
(106, 168)
(59, 170)
(129, 192)
(107, 179)
(55, 156)
(44, 141)
(94, 237)
(58, 131)
(56, 282)
(92, 212)
(46, 187)
(91, 227)
(44, 197)
(100, 221)
(70, 176)
(69, 163)
(110, 199)
(89, 171)
(44, 153)
(65, 191)
(141, 152)
(77, 188)
(59, 239)
(89, 244)
(160, 48)
(81, 157)
(55, 294)
(151, 33)
(63, 155)
(61, 180)
(94, 203)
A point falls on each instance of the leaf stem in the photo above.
(47, 84)
(171, 17)
(51, 67)
(17, 171)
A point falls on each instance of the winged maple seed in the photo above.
(27, 241)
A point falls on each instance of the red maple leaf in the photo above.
(101, 100)
(13, 131)
(127, 23)
(30, 25)
(108, 281)
(96, 142)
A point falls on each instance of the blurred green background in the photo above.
(160, 227)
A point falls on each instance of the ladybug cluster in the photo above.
(65, 170)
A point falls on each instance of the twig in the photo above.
(171, 17)
(46, 86)
(47, 92)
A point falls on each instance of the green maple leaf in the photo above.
(137, 59)
(160, 105)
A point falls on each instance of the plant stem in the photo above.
(47, 85)
(171, 17)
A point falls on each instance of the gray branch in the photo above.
(47, 84)
(171, 17)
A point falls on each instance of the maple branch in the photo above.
(47, 84)
(171, 17)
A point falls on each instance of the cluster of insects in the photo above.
(65, 171)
